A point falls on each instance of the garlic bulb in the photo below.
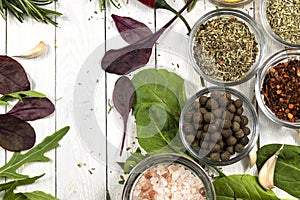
(266, 173)
(34, 52)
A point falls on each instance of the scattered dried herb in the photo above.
(281, 90)
(123, 99)
(32, 108)
(136, 55)
(283, 17)
(162, 4)
(130, 29)
(12, 76)
(225, 49)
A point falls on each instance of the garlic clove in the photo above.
(34, 52)
(252, 157)
(266, 173)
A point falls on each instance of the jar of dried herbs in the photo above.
(281, 19)
(226, 46)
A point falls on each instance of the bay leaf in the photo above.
(287, 170)
(242, 186)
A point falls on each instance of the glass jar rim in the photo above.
(276, 58)
(254, 28)
(251, 109)
(163, 158)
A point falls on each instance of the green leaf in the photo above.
(160, 96)
(19, 95)
(36, 154)
(133, 160)
(287, 170)
(241, 187)
(38, 195)
(26, 181)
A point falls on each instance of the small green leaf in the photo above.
(241, 187)
(26, 181)
(18, 95)
(287, 170)
(36, 154)
(38, 195)
(132, 160)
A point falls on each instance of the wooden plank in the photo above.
(41, 72)
(2, 52)
(115, 126)
(80, 163)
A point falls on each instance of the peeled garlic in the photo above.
(266, 173)
(252, 157)
(35, 52)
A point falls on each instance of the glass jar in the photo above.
(166, 158)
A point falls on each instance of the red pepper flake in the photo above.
(281, 90)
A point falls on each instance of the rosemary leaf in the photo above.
(29, 8)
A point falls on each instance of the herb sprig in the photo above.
(29, 8)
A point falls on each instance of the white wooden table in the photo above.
(69, 73)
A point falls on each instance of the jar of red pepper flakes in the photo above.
(277, 88)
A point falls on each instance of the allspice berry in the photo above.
(238, 148)
(227, 124)
(244, 140)
(244, 120)
(214, 156)
(238, 103)
(231, 108)
(230, 149)
(188, 116)
(190, 138)
(203, 100)
(231, 141)
(208, 117)
(239, 134)
(225, 156)
(226, 133)
(188, 128)
(239, 111)
(197, 117)
(246, 130)
(235, 126)
(223, 101)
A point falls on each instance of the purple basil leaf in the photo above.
(123, 99)
(13, 77)
(130, 29)
(15, 134)
(32, 108)
(136, 55)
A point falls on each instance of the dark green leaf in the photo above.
(36, 154)
(287, 170)
(26, 181)
(160, 96)
(241, 187)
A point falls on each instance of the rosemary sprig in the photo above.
(29, 8)
(104, 3)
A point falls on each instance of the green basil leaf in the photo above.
(132, 160)
(160, 96)
(241, 187)
(287, 170)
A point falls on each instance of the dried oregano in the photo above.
(283, 17)
(225, 48)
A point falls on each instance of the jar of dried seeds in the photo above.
(218, 126)
(226, 47)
